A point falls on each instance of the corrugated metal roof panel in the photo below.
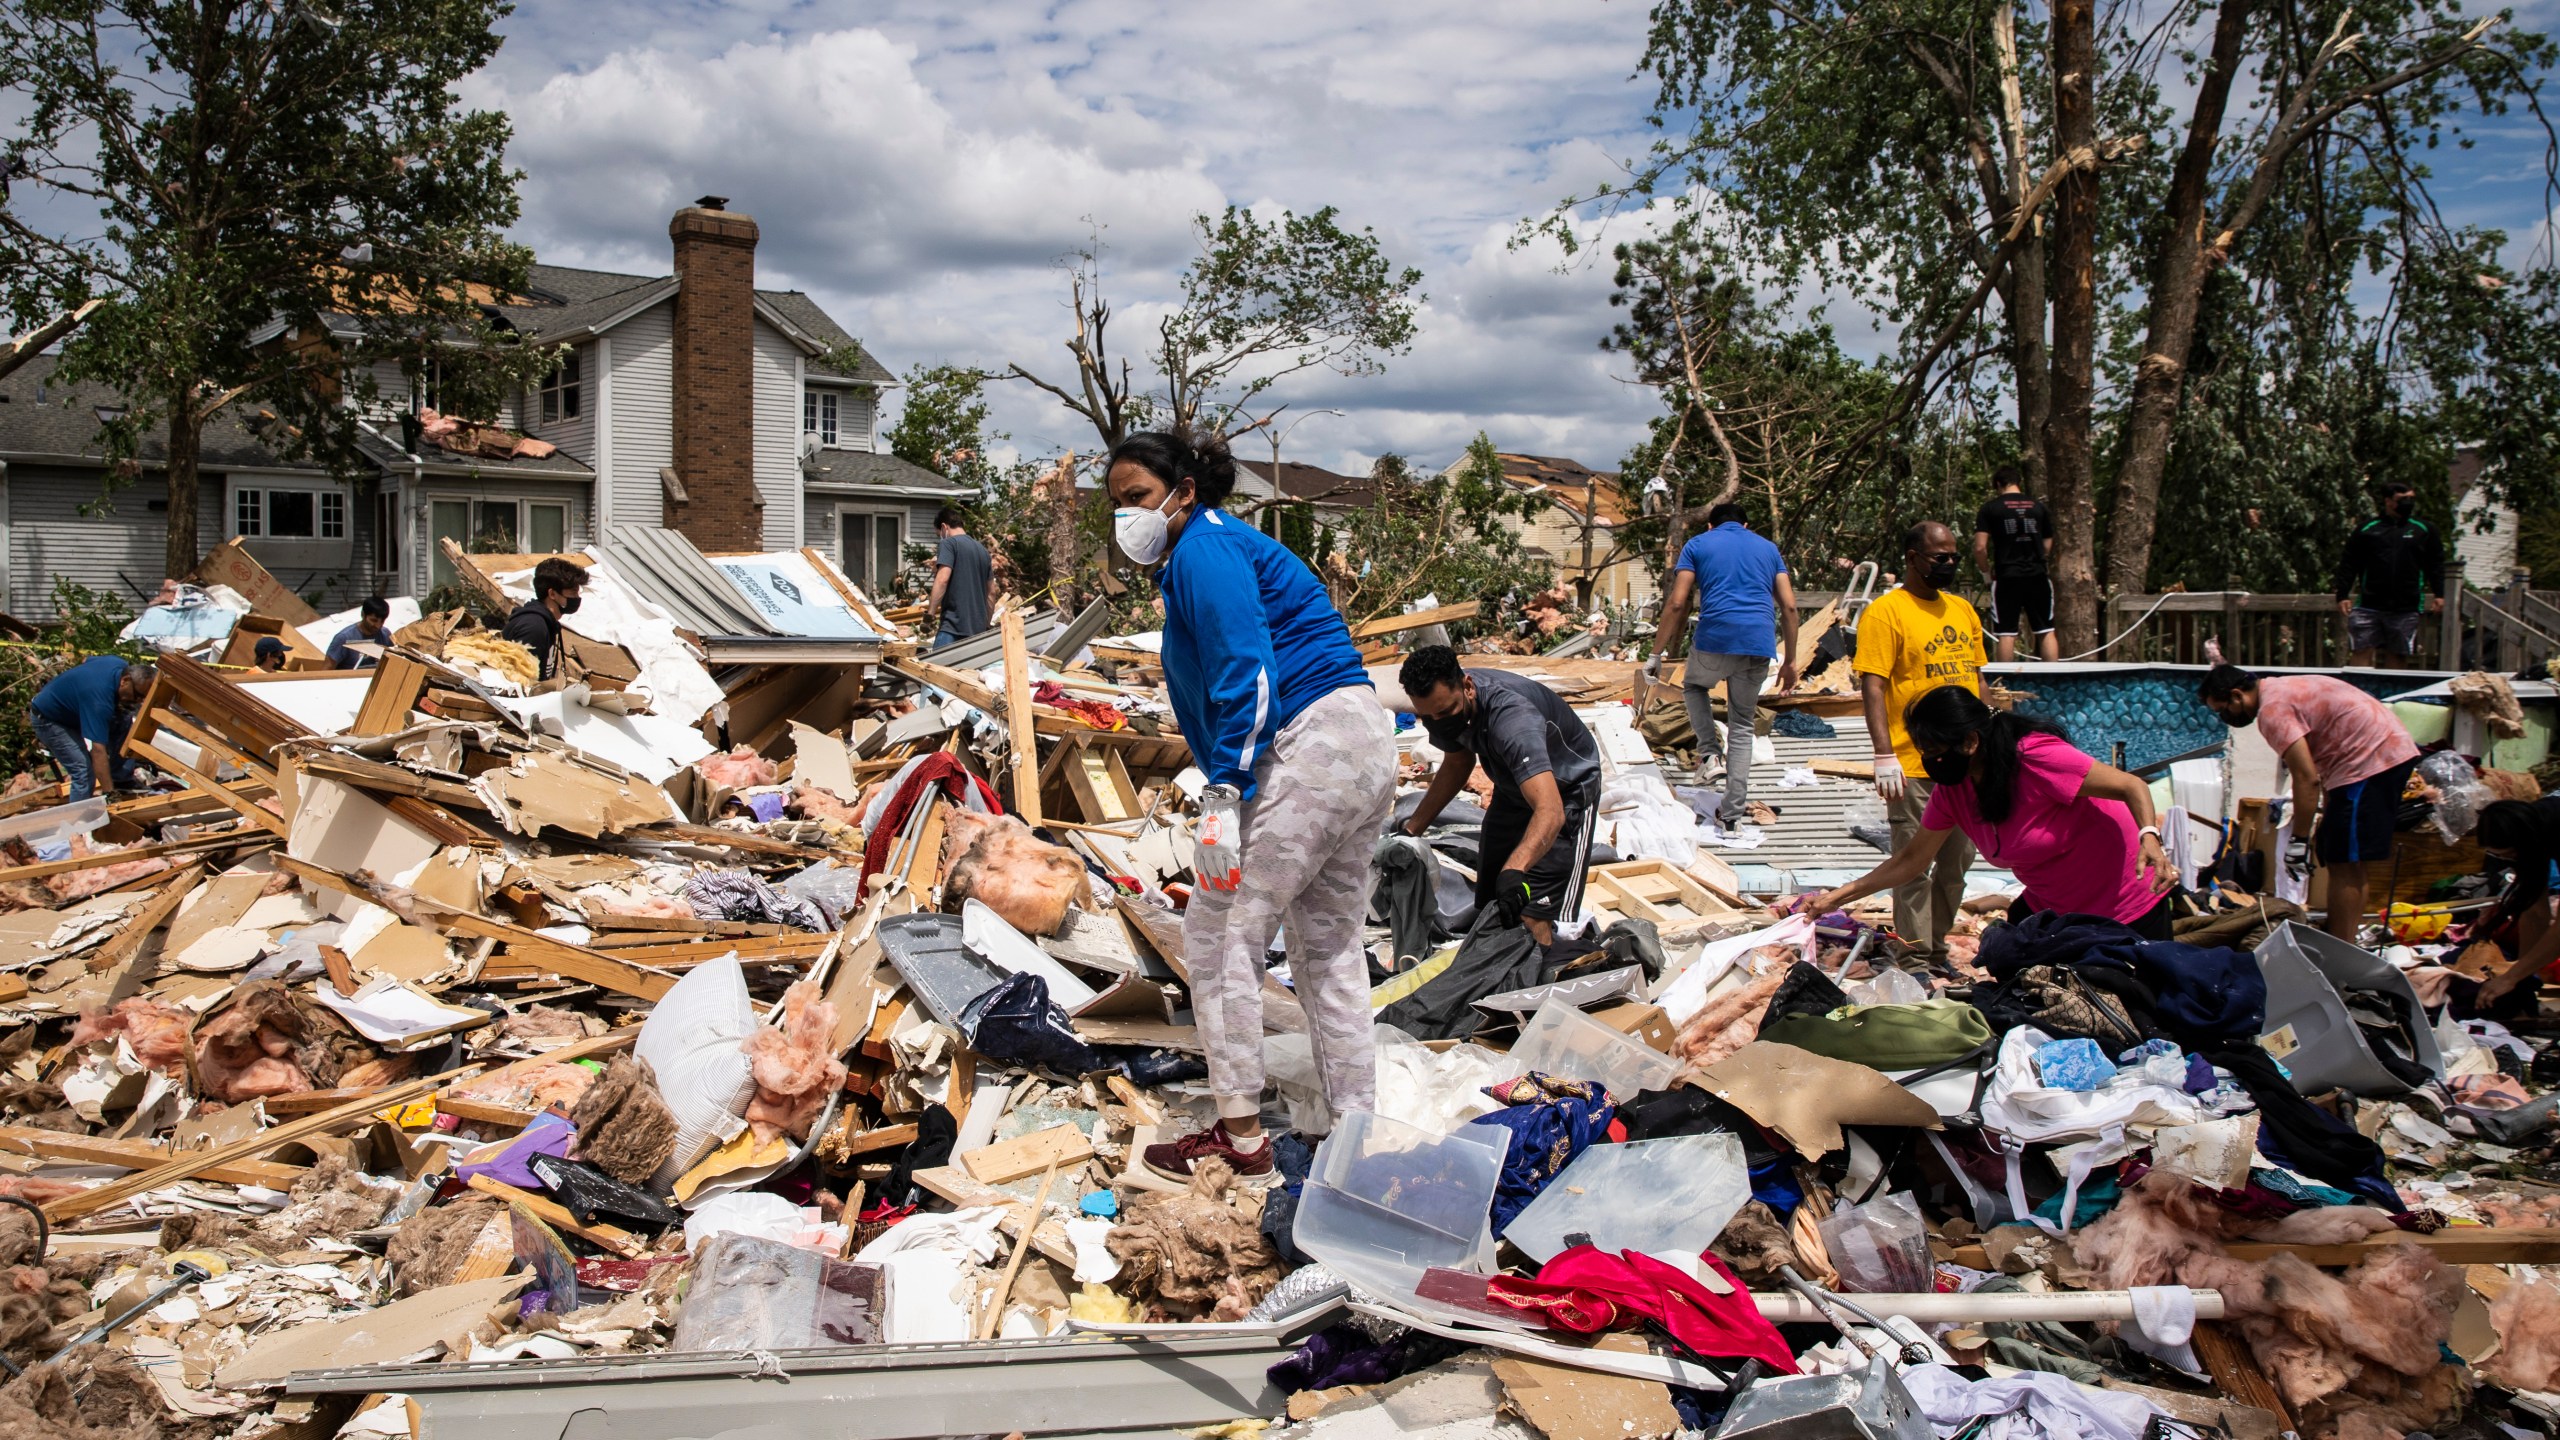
(1812, 832)
(986, 647)
(666, 567)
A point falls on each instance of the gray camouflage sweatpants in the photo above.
(1320, 796)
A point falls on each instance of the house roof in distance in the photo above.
(1314, 484)
(1571, 484)
(45, 418)
(564, 300)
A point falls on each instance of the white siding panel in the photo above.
(777, 434)
(116, 554)
(861, 413)
(640, 414)
(576, 437)
(2488, 557)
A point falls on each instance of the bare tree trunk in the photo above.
(2025, 293)
(2070, 465)
(2177, 291)
(186, 448)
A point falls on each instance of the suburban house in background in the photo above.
(1577, 530)
(1305, 499)
(743, 418)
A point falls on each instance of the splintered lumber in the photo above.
(1017, 719)
(194, 1163)
(397, 683)
(193, 845)
(1013, 1267)
(887, 1137)
(2454, 1245)
(137, 1155)
(611, 1237)
(1024, 1156)
(949, 1182)
(146, 922)
(1398, 624)
(575, 961)
(1843, 769)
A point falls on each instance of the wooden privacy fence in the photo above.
(2501, 630)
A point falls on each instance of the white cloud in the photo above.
(922, 170)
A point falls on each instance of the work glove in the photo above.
(1652, 671)
(1511, 895)
(1219, 836)
(2297, 858)
(1889, 781)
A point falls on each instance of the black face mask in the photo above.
(1951, 767)
(570, 605)
(2404, 508)
(2236, 721)
(1941, 572)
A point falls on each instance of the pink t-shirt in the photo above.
(2353, 736)
(2079, 856)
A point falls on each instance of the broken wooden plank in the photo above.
(397, 683)
(575, 961)
(1024, 1156)
(2454, 1245)
(1843, 769)
(95, 858)
(138, 1155)
(1398, 624)
(146, 921)
(611, 1237)
(949, 1182)
(193, 1163)
(1017, 719)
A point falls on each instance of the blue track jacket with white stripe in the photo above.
(1250, 641)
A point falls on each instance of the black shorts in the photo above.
(1555, 880)
(2356, 820)
(2018, 605)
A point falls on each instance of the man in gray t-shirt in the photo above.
(1545, 767)
(964, 580)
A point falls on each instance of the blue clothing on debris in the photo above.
(1737, 573)
(82, 699)
(343, 658)
(1250, 641)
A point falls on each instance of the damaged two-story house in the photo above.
(743, 417)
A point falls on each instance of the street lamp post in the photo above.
(1280, 433)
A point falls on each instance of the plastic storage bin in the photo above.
(48, 832)
(1385, 1201)
(1561, 1040)
(2308, 1027)
(1668, 1196)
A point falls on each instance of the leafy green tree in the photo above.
(942, 426)
(283, 194)
(2090, 169)
(1454, 535)
(1264, 300)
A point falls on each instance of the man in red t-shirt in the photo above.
(2350, 759)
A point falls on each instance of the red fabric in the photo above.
(1588, 1290)
(939, 768)
(1092, 712)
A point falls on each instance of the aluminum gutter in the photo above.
(1053, 1387)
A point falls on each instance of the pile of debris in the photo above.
(674, 1023)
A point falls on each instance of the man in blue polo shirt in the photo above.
(1746, 616)
(81, 715)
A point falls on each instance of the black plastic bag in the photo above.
(1017, 1023)
(1491, 960)
(587, 1192)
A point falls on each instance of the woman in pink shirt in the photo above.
(2080, 836)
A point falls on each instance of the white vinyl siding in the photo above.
(120, 554)
(639, 415)
(574, 434)
(854, 408)
(777, 434)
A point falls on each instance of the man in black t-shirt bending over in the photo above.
(2012, 543)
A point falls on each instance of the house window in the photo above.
(818, 414)
(560, 391)
(869, 546)
(495, 527)
(275, 514)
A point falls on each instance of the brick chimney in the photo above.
(715, 378)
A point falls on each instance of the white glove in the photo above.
(1219, 837)
(1889, 782)
(1652, 670)
(2297, 858)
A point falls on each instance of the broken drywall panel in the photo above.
(822, 760)
(654, 746)
(324, 707)
(440, 1319)
(340, 828)
(540, 792)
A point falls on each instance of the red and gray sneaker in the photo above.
(1176, 1160)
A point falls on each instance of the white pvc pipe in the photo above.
(1785, 1307)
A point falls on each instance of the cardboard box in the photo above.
(1639, 1021)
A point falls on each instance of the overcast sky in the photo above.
(922, 168)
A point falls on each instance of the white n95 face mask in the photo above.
(1141, 531)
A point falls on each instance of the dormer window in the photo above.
(818, 414)
(561, 391)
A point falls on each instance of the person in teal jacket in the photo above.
(1301, 763)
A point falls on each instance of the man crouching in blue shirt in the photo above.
(81, 716)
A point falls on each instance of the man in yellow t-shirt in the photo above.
(1913, 640)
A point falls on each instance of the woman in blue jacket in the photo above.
(1301, 760)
